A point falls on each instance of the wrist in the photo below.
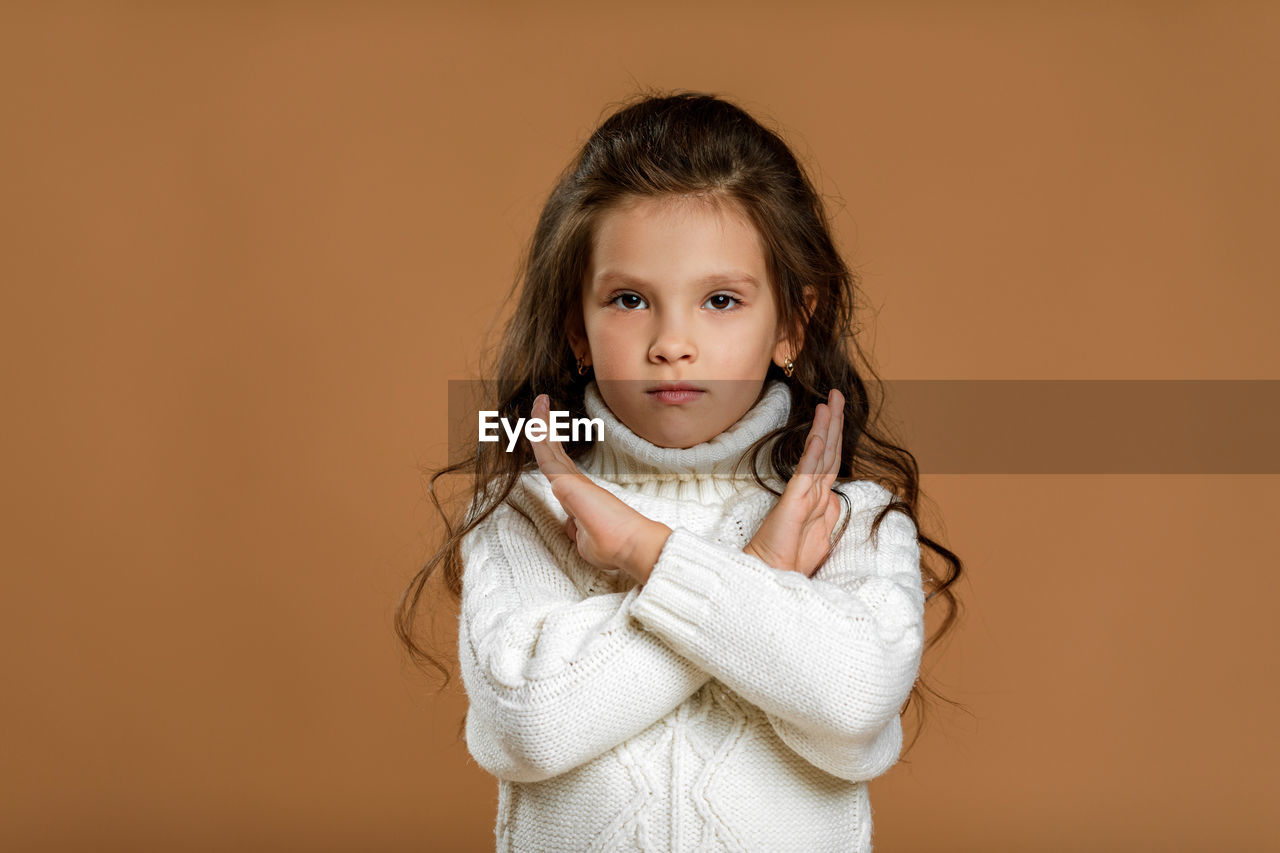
(763, 555)
(645, 549)
(769, 558)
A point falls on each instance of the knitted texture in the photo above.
(723, 704)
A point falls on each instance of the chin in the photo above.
(673, 442)
(681, 436)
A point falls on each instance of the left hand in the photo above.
(795, 535)
(609, 534)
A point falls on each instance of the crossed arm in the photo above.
(826, 642)
(556, 678)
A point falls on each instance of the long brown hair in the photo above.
(686, 144)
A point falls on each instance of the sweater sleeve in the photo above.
(828, 659)
(554, 677)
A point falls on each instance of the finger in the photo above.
(572, 491)
(828, 431)
(835, 438)
(832, 515)
(556, 448)
(544, 451)
(541, 452)
(802, 478)
(808, 465)
(829, 518)
(822, 426)
(564, 457)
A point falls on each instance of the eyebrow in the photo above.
(715, 278)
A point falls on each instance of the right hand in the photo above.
(608, 533)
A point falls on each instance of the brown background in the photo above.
(245, 245)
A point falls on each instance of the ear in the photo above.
(577, 336)
(791, 345)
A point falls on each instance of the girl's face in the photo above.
(677, 293)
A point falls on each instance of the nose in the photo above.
(672, 343)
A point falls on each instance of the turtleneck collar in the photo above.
(708, 472)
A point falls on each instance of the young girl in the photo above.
(697, 632)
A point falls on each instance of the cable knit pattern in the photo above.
(724, 704)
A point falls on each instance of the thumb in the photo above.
(567, 490)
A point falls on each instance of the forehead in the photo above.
(677, 240)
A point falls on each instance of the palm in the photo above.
(797, 531)
(597, 519)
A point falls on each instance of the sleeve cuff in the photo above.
(688, 578)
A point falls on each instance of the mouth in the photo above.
(675, 393)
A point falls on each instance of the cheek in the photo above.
(766, 335)
(609, 341)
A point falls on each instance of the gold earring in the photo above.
(582, 366)
(788, 367)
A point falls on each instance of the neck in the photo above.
(708, 472)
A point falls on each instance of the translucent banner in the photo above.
(1006, 426)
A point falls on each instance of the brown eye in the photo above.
(723, 301)
(628, 300)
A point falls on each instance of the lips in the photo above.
(675, 393)
(674, 386)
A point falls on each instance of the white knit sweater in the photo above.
(724, 704)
